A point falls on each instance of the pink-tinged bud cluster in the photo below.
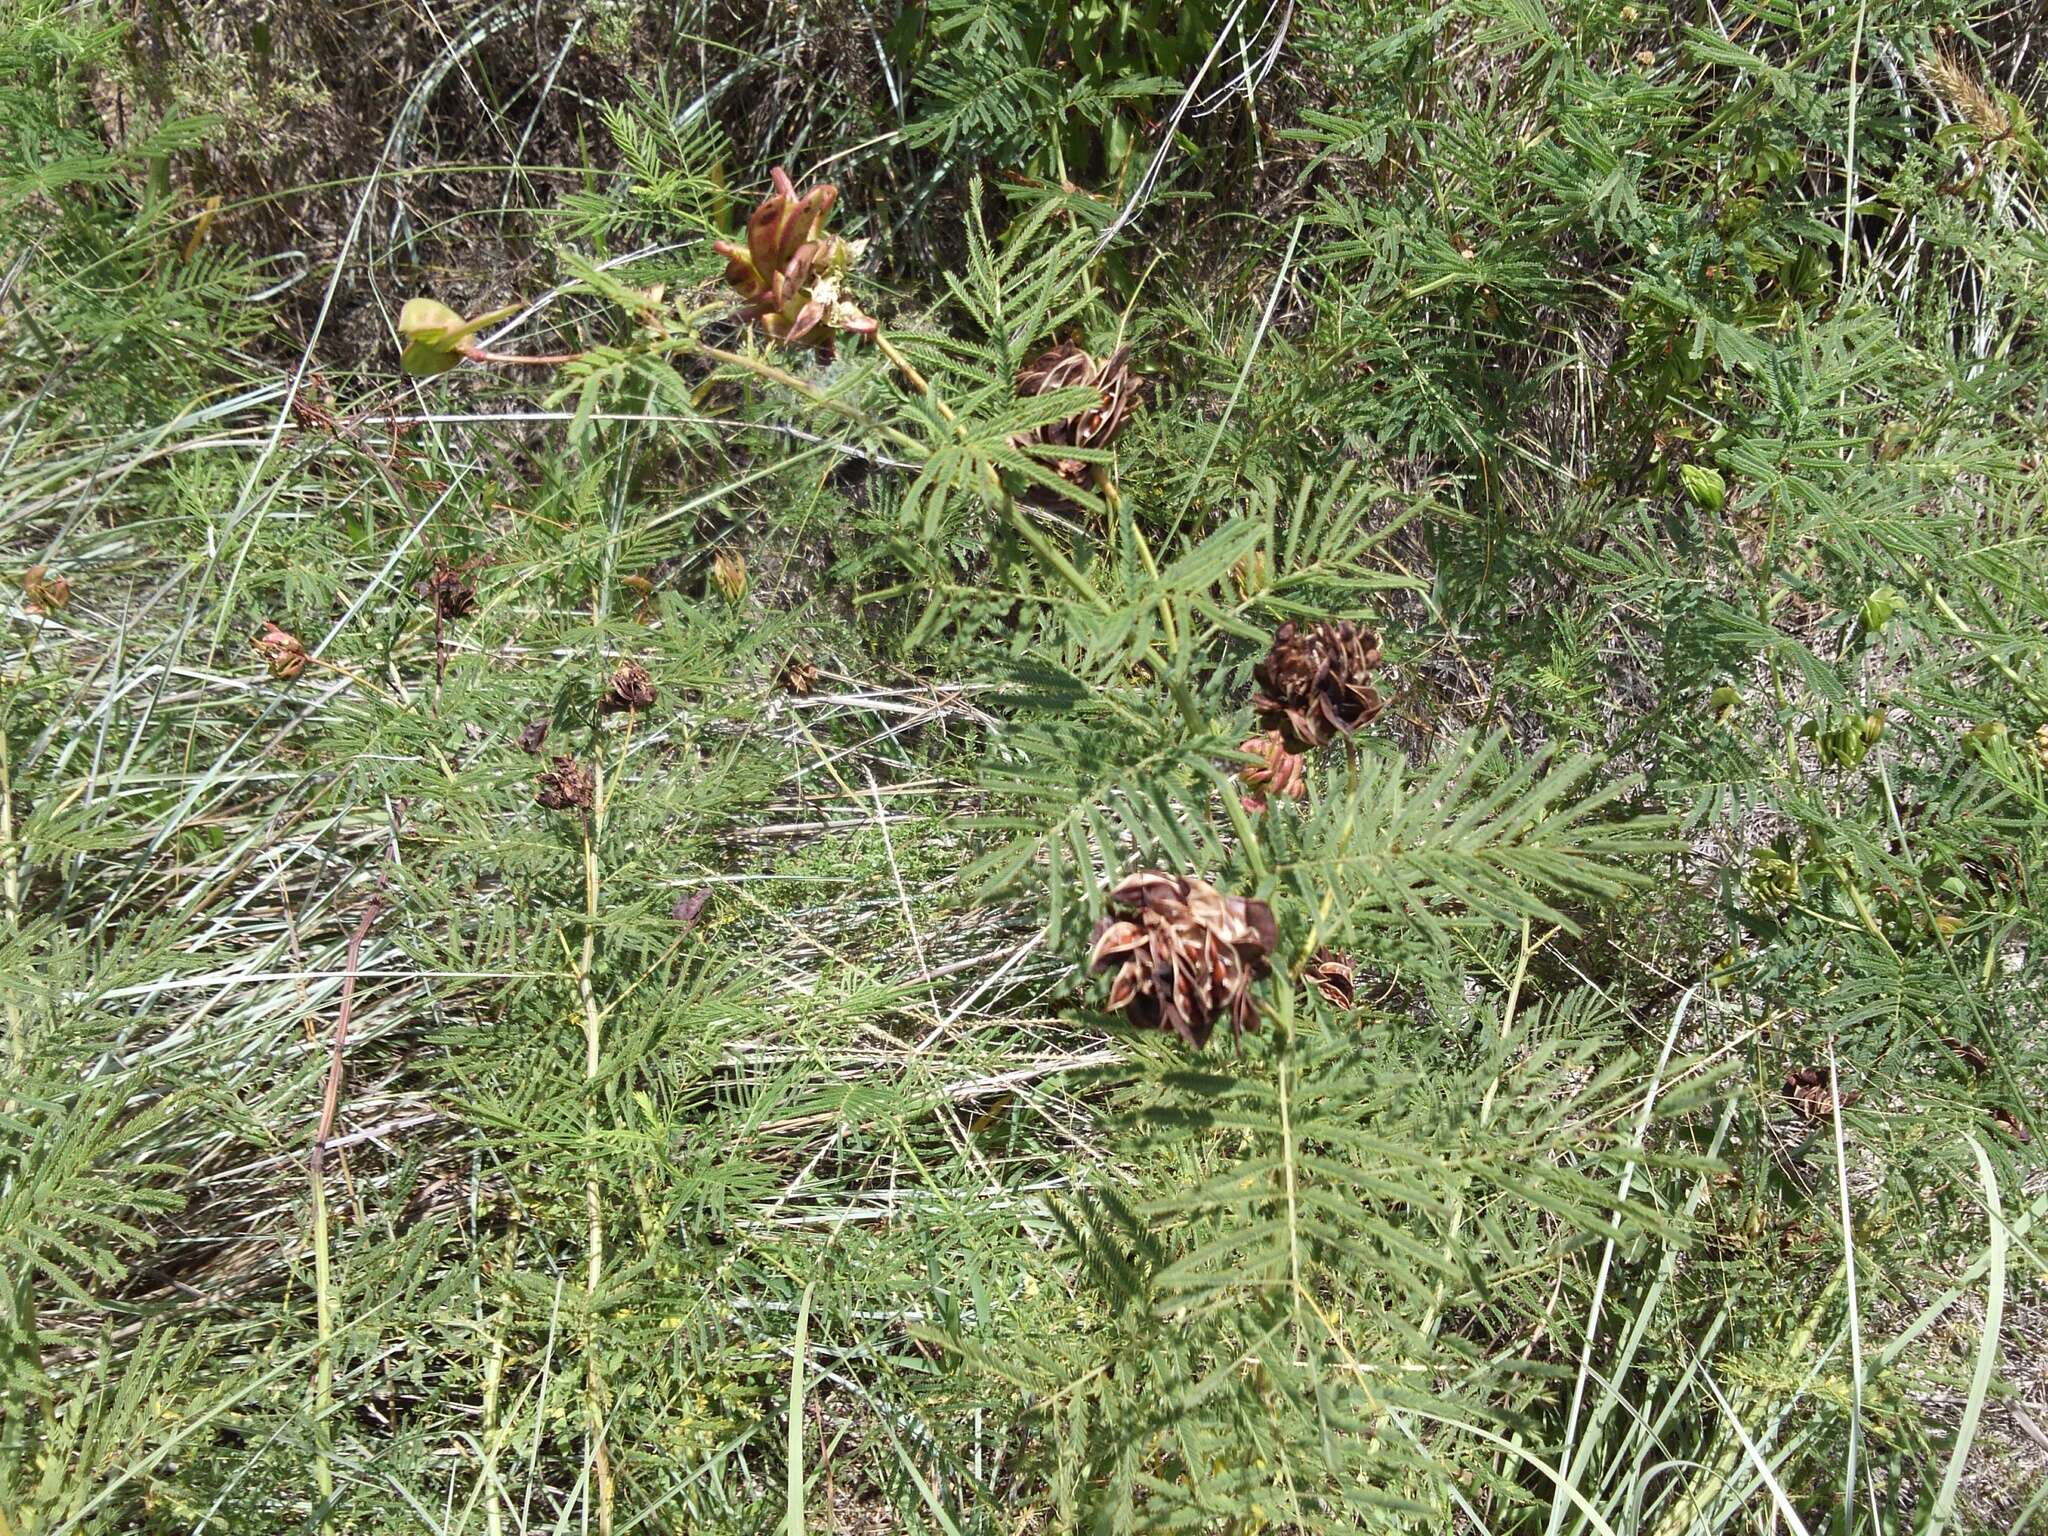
(790, 270)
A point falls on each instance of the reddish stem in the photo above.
(522, 360)
(332, 1102)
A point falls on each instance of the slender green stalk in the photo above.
(593, 1057)
(492, 1430)
(1849, 1275)
(917, 381)
(10, 892)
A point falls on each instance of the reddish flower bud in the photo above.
(789, 272)
(46, 592)
(1278, 771)
(282, 652)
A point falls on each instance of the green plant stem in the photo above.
(919, 383)
(782, 378)
(1284, 1071)
(1152, 572)
(593, 1053)
(10, 891)
(1247, 835)
(1438, 1295)
(494, 1376)
(323, 1369)
(1707, 1482)
(1933, 596)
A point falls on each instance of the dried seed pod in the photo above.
(1970, 1055)
(631, 689)
(447, 591)
(689, 907)
(1315, 684)
(1807, 1088)
(790, 271)
(46, 591)
(729, 574)
(797, 676)
(565, 785)
(2009, 1123)
(1331, 973)
(1183, 952)
(1251, 573)
(1066, 366)
(282, 651)
(535, 736)
(1278, 772)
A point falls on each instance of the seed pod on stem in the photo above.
(1182, 953)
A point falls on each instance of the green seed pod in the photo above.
(1705, 486)
(1981, 737)
(1878, 609)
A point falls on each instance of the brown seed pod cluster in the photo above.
(1066, 366)
(565, 785)
(46, 590)
(1333, 975)
(1182, 953)
(1278, 773)
(282, 651)
(447, 591)
(796, 675)
(790, 270)
(631, 689)
(1315, 684)
(1807, 1088)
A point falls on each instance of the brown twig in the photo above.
(522, 359)
(323, 1286)
(331, 1104)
